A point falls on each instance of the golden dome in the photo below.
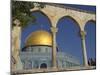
(39, 37)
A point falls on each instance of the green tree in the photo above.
(21, 11)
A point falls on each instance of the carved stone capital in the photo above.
(54, 29)
(83, 34)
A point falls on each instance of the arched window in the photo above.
(43, 65)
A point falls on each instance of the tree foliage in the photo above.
(21, 11)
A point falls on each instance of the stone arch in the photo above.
(76, 35)
(43, 13)
(90, 28)
(88, 18)
(43, 65)
(72, 18)
(91, 20)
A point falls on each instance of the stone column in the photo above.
(54, 30)
(16, 39)
(85, 61)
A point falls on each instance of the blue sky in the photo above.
(68, 38)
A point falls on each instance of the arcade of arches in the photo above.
(54, 13)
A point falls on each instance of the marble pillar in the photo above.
(54, 31)
(83, 35)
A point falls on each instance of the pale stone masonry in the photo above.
(54, 14)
